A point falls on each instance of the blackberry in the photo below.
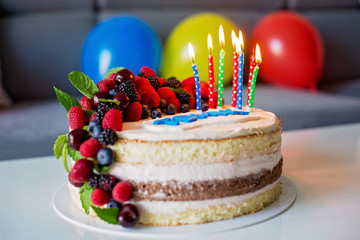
(108, 106)
(100, 114)
(184, 97)
(154, 81)
(107, 182)
(108, 136)
(172, 82)
(129, 89)
(94, 181)
(141, 74)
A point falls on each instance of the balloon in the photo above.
(292, 50)
(122, 41)
(195, 29)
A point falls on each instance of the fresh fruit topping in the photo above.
(192, 103)
(105, 156)
(86, 103)
(129, 89)
(76, 137)
(123, 75)
(170, 109)
(185, 108)
(104, 182)
(81, 172)
(122, 191)
(191, 91)
(156, 113)
(107, 106)
(123, 99)
(184, 97)
(100, 197)
(92, 117)
(204, 107)
(147, 72)
(161, 81)
(204, 89)
(112, 76)
(162, 105)
(97, 96)
(114, 204)
(172, 82)
(110, 84)
(102, 86)
(113, 92)
(152, 99)
(96, 128)
(108, 136)
(90, 148)
(154, 81)
(112, 120)
(77, 118)
(133, 112)
(128, 215)
(174, 101)
(143, 85)
(145, 111)
(166, 93)
(189, 82)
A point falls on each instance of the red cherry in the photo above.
(99, 95)
(77, 137)
(124, 75)
(81, 172)
(128, 215)
(124, 100)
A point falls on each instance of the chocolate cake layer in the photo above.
(192, 191)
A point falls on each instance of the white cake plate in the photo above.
(64, 207)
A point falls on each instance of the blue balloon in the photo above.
(122, 41)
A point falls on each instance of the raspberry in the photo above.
(86, 103)
(166, 93)
(93, 117)
(108, 136)
(147, 72)
(184, 97)
(172, 82)
(143, 85)
(128, 88)
(99, 197)
(77, 118)
(112, 77)
(133, 112)
(81, 172)
(122, 192)
(161, 81)
(189, 82)
(102, 86)
(174, 101)
(112, 120)
(154, 81)
(152, 99)
(204, 89)
(90, 148)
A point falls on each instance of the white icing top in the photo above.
(220, 127)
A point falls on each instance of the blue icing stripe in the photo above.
(199, 116)
(159, 122)
(171, 122)
(213, 114)
(225, 113)
(245, 113)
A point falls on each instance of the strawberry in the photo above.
(86, 104)
(90, 148)
(102, 86)
(133, 112)
(142, 85)
(174, 101)
(99, 197)
(161, 81)
(77, 118)
(166, 93)
(122, 191)
(189, 82)
(152, 99)
(112, 77)
(147, 72)
(204, 89)
(192, 103)
(92, 117)
(112, 120)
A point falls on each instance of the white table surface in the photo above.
(323, 163)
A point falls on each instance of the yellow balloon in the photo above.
(195, 29)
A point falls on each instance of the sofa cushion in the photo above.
(4, 98)
(349, 88)
(311, 4)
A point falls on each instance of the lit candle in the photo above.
(235, 69)
(221, 67)
(240, 48)
(211, 74)
(253, 80)
(196, 75)
(251, 70)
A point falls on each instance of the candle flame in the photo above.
(257, 54)
(221, 36)
(209, 41)
(241, 41)
(233, 38)
(191, 52)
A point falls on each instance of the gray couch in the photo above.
(40, 42)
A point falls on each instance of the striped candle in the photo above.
(221, 67)
(196, 75)
(211, 75)
(235, 69)
(240, 47)
(251, 70)
(254, 77)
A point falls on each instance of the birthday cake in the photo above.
(141, 154)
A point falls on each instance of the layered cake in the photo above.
(157, 162)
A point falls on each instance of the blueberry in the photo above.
(105, 156)
(170, 109)
(145, 112)
(156, 113)
(113, 204)
(113, 92)
(92, 124)
(96, 131)
(204, 107)
(185, 108)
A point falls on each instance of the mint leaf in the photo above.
(113, 70)
(99, 169)
(75, 155)
(66, 100)
(110, 100)
(83, 83)
(108, 215)
(88, 113)
(65, 155)
(59, 144)
(85, 196)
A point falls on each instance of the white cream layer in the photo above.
(230, 126)
(195, 172)
(171, 207)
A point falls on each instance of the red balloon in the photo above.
(292, 50)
